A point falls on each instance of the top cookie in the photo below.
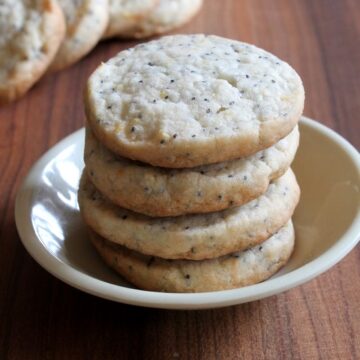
(125, 15)
(86, 21)
(30, 35)
(189, 100)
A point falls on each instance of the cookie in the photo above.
(227, 272)
(125, 16)
(166, 16)
(192, 236)
(190, 100)
(30, 35)
(86, 21)
(157, 191)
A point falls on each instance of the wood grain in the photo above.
(42, 318)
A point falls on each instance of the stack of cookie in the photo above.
(187, 185)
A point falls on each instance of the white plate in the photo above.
(327, 223)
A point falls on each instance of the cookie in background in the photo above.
(141, 19)
(50, 35)
(125, 16)
(86, 21)
(30, 35)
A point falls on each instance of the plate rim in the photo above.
(205, 300)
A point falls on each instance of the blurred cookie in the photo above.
(86, 21)
(226, 272)
(125, 16)
(189, 100)
(30, 35)
(166, 16)
(157, 191)
(194, 237)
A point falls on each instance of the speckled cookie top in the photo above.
(189, 90)
(22, 34)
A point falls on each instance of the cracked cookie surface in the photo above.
(189, 100)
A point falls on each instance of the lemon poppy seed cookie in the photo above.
(226, 272)
(166, 16)
(86, 21)
(189, 100)
(125, 16)
(30, 35)
(194, 236)
(157, 191)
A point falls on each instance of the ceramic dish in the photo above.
(327, 223)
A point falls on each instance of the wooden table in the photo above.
(42, 318)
